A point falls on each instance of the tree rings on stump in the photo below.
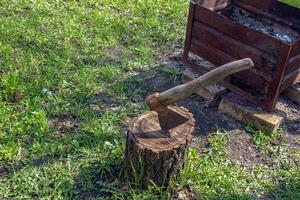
(153, 157)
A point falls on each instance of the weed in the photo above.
(172, 72)
(268, 142)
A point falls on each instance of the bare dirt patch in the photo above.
(241, 149)
(292, 111)
(100, 181)
(185, 194)
(3, 172)
(292, 123)
(102, 101)
(116, 53)
(63, 123)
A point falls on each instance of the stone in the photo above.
(246, 112)
(293, 93)
(210, 92)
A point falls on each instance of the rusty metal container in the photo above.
(213, 35)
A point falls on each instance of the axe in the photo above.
(169, 119)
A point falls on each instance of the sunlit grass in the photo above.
(293, 2)
(62, 108)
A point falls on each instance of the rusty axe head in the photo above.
(168, 118)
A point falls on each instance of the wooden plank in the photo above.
(238, 108)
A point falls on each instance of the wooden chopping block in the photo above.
(157, 140)
(150, 154)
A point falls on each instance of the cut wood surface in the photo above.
(151, 154)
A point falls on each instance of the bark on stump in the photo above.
(150, 155)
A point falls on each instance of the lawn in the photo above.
(64, 100)
(293, 2)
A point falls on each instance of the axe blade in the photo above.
(169, 119)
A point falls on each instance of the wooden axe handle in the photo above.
(181, 92)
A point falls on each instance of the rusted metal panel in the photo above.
(275, 10)
(189, 29)
(278, 76)
(266, 13)
(245, 34)
(218, 39)
(263, 61)
(244, 94)
(218, 57)
(252, 79)
(265, 5)
(209, 53)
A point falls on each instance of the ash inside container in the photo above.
(284, 33)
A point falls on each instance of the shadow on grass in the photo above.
(98, 181)
(289, 189)
(82, 140)
(106, 182)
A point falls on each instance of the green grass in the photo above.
(60, 139)
(293, 2)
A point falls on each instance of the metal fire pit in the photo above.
(218, 34)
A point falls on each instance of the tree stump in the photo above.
(150, 155)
